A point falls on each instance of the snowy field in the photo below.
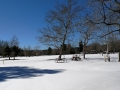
(42, 73)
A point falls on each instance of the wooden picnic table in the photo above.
(60, 60)
(76, 58)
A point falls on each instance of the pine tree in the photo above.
(7, 51)
(49, 51)
(15, 51)
(80, 46)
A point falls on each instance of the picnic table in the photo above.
(60, 60)
(76, 57)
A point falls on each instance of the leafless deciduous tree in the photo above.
(27, 51)
(14, 46)
(61, 24)
(106, 13)
(87, 32)
(37, 50)
(14, 41)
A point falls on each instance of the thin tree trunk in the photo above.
(83, 51)
(84, 55)
(119, 56)
(61, 49)
(9, 57)
(60, 55)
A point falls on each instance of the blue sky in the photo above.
(23, 18)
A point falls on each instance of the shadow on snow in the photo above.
(24, 72)
(15, 59)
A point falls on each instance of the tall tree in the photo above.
(61, 24)
(87, 32)
(14, 45)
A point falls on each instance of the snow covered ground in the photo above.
(42, 73)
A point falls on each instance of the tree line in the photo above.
(11, 49)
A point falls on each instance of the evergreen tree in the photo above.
(80, 46)
(49, 51)
(7, 51)
(15, 51)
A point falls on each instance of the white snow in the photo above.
(42, 73)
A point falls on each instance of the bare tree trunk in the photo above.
(60, 55)
(84, 52)
(61, 49)
(119, 56)
(9, 57)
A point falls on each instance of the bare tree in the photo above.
(14, 41)
(14, 46)
(106, 13)
(87, 32)
(61, 24)
(37, 50)
(27, 51)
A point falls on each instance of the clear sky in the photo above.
(23, 18)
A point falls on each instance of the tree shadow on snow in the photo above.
(15, 59)
(24, 72)
(94, 58)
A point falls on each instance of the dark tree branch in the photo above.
(110, 33)
(114, 10)
(117, 2)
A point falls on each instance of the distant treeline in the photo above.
(8, 49)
